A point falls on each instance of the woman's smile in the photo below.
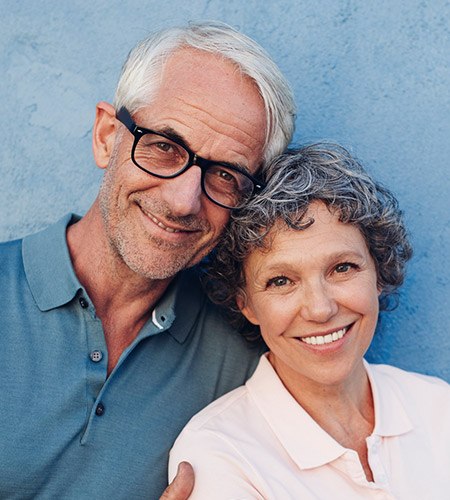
(327, 338)
(314, 296)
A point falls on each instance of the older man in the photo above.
(108, 345)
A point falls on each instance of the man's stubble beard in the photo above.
(125, 244)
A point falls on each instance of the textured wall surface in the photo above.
(372, 75)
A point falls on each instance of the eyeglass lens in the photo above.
(161, 156)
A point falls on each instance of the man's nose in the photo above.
(318, 303)
(183, 193)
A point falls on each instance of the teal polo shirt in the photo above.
(66, 429)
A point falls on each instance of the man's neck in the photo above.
(123, 300)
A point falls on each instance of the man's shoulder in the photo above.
(10, 257)
(39, 263)
(209, 315)
(9, 247)
(213, 319)
(227, 356)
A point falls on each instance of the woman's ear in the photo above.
(246, 308)
(104, 133)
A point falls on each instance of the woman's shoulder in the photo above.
(424, 398)
(217, 442)
(408, 379)
(221, 411)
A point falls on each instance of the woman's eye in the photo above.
(345, 267)
(278, 281)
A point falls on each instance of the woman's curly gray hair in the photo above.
(318, 172)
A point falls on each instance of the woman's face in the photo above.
(314, 295)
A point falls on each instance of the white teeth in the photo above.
(326, 339)
(161, 225)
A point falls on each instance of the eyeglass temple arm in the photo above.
(124, 116)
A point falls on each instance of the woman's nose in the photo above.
(318, 303)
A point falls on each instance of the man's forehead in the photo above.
(190, 60)
(211, 104)
(195, 70)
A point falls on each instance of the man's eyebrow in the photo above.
(174, 135)
(170, 133)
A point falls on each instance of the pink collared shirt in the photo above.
(258, 442)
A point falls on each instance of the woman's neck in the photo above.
(344, 410)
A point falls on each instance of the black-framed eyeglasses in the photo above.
(167, 157)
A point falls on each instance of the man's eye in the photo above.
(166, 147)
(278, 281)
(224, 175)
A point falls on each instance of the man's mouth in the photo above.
(165, 227)
(161, 225)
(329, 338)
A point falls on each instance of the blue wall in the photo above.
(372, 75)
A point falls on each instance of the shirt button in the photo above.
(83, 302)
(96, 356)
(100, 410)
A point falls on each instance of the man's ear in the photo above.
(104, 133)
(246, 308)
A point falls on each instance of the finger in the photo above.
(182, 485)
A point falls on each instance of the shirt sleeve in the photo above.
(220, 471)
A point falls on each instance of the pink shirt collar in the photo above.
(305, 441)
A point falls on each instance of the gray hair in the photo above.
(142, 70)
(318, 172)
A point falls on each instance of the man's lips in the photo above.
(326, 338)
(172, 228)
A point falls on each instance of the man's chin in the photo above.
(159, 267)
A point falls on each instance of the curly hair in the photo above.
(318, 172)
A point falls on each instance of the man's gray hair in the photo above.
(318, 172)
(142, 72)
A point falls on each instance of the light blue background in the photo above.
(372, 75)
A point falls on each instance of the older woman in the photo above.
(306, 265)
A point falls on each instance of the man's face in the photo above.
(158, 227)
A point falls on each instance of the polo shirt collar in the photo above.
(180, 306)
(53, 282)
(305, 441)
(391, 418)
(48, 267)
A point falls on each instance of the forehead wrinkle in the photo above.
(218, 126)
(196, 149)
(222, 120)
